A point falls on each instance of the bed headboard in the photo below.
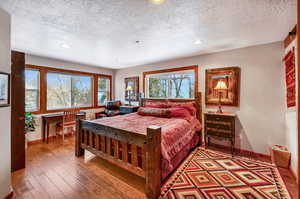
(197, 100)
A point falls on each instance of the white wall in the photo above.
(291, 124)
(5, 65)
(44, 61)
(261, 117)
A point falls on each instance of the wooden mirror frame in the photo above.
(234, 87)
(135, 96)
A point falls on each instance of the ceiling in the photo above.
(104, 32)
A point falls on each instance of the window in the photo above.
(50, 90)
(68, 91)
(32, 80)
(103, 90)
(172, 83)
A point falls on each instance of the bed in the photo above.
(148, 146)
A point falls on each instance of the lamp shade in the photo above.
(221, 85)
(129, 88)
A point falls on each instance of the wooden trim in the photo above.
(43, 87)
(242, 152)
(64, 70)
(10, 195)
(291, 37)
(194, 67)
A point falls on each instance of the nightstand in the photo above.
(128, 109)
(221, 125)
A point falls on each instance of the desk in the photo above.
(51, 118)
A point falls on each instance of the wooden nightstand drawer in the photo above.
(221, 118)
(219, 125)
(219, 133)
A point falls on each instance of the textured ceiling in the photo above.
(104, 32)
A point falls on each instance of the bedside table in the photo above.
(220, 125)
(128, 109)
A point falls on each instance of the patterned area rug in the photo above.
(214, 175)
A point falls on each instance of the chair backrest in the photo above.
(113, 105)
(70, 115)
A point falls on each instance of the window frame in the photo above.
(37, 90)
(43, 87)
(193, 67)
(97, 91)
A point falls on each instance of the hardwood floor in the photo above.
(53, 172)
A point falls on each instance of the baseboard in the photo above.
(52, 137)
(243, 152)
(10, 195)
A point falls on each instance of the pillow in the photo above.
(156, 112)
(180, 113)
(156, 104)
(190, 106)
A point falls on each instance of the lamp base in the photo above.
(219, 109)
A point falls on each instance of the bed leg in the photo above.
(153, 162)
(78, 150)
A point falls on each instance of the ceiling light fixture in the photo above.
(157, 1)
(197, 42)
(65, 46)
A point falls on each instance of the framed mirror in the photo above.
(132, 89)
(222, 86)
(4, 89)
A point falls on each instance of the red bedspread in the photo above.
(177, 134)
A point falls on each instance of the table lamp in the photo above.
(221, 86)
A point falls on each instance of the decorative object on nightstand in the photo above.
(128, 109)
(129, 89)
(221, 86)
(220, 126)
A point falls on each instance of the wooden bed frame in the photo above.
(136, 153)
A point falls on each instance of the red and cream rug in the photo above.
(215, 175)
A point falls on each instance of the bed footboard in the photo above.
(136, 153)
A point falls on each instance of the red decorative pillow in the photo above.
(156, 104)
(190, 106)
(180, 113)
(156, 112)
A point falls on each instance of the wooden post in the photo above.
(153, 162)
(78, 150)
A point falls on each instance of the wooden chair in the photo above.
(69, 121)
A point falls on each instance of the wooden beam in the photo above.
(153, 162)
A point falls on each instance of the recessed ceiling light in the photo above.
(197, 42)
(65, 46)
(157, 1)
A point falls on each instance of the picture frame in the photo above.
(134, 83)
(228, 97)
(4, 89)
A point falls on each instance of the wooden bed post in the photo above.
(78, 150)
(153, 162)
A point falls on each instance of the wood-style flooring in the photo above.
(54, 172)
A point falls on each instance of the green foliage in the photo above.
(29, 122)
